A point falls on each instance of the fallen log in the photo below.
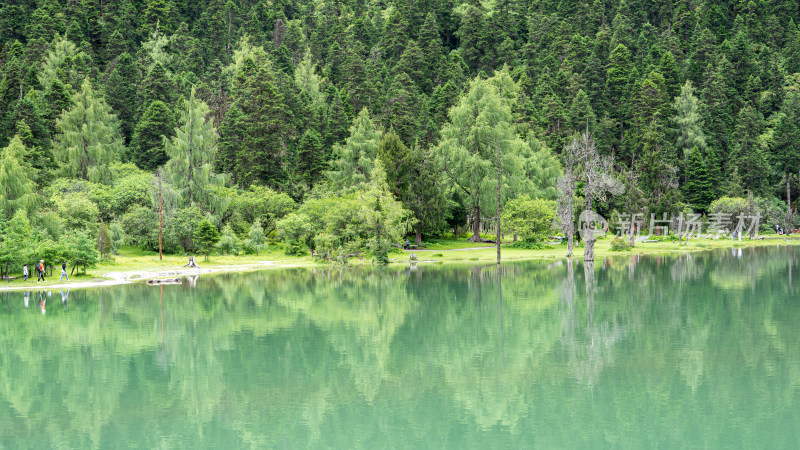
(165, 281)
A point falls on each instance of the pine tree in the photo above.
(264, 128)
(355, 158)
(475, 38)
(121, 93)
(311, 157)
(749, 158)
(688, 123)
(54, 101)
(147, 145)
(786, 136)
(88, 138)
(191, 152)
(430, 42)
(17, 188)
(156, 86)
(206, 237)
(481, 126)
(403, 108)
(698, 189)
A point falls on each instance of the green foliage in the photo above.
(88, 138)
(228, 242)
(16, 180)
(337, 225)
(206, 237)
(290, 87)
(79, 213)
(619, 244)
(256, 241)
(191, 152)
(263, 204)
(531, 219)
(147, 144)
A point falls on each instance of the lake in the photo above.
(698, 350)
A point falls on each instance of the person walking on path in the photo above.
(63, 271)
(25, 272)
(40, 271)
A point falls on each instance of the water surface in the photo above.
(690, 351)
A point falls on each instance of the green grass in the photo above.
(137, 260)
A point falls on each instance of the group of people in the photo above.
(40, 271)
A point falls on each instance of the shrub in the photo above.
(619, 244)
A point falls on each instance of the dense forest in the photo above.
(339, 126)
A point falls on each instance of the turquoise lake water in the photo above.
(693, 351)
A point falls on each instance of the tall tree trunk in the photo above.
(160, 255)
(476, 225)
(419, 236)
(788, 202)
(588, 238)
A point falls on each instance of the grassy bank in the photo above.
(133, 263)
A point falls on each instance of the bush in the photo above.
(530, 218)
(530, 245)
(619, 244)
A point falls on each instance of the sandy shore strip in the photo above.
(118, 278)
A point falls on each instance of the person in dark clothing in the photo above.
(63, 271)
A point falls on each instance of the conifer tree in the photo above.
(688, 123)
(121, 94)
(191, 151)
(147, 145)
(17, 188)
(88, 138)
(355, 158)
(698, 189)
(311, 157)
(480, 127)
(749, 157)
(786, 136)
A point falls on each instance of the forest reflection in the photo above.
(555, 353)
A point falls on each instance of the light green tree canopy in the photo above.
(191, 152)
(17, 189)
(88, 138)
(481, 124)
(355, 158)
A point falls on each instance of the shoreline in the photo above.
(122, 277)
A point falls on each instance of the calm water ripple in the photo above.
(689, 351)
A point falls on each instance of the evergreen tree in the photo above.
(262, 131)
(191, 151)
(156, 86)
(481, 125)
(749, 157)
(206, 237)
(17, 188)
(786, 136)
(688, 123)
(147, 145)
(311, 162)
(355, 158)
(698, 189)
(121, 93)
(88, 138)
(54, 101)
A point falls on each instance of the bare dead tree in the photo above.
(583, 163)
(565, 215)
